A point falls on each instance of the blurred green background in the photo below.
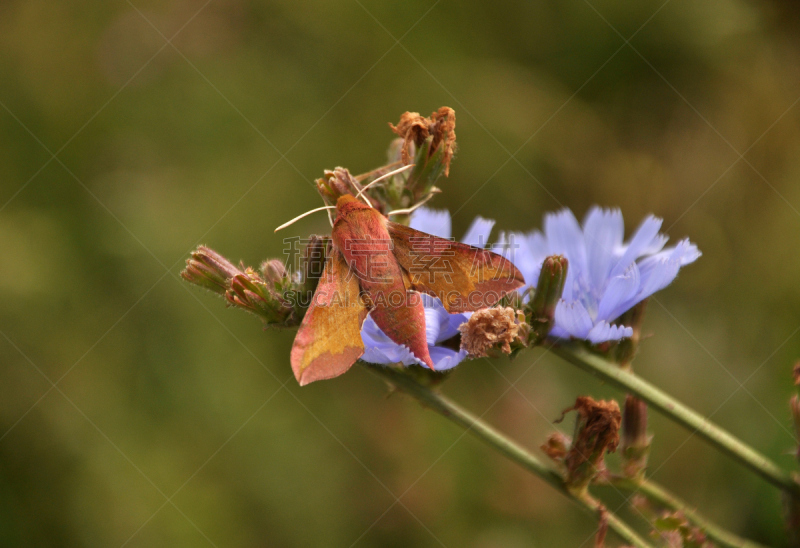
(176, 422)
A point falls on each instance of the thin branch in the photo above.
(662, 496)
(501, 444)
(681, 414)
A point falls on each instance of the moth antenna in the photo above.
(411, 209)
(382, 178)
(306, 214)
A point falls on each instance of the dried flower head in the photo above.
(489, 328)
(414, 128)
(596, 432)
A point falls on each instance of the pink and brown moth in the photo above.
(379, 267)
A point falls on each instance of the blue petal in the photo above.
(478, 233)
(446, 358)
(620, 290)
(603, 231)
(378, 348)
(537, 253)
(646, 238)
(656, 276)
(565, 237)
(558, 333)
(515, 246)
(685, 252)
(432, 221)
(435, 317)
(451, 330)
(655, 246)
(440, 325)
(537, 245)
(573, 318)
(603, 332)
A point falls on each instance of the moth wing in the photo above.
(329, 341)
(465, 278)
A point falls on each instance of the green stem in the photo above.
(501, 444)
(660, 495)
(681, 414)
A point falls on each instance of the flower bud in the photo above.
(624, 352)
(335, 184)
(274, 271)
(635, 441)
(542, 306)
(794, 405)
(791, 513)
(596, 432)
(395, 151)
(249, 291)
(489, 329)
(209, 269)
(557, 446)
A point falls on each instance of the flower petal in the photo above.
(603, 332)
(573, 318)
(378, 348)
(432, 221)
(435, 317)
(478, 233)
(656, 276)
(645, 238)
(619, 291)
(446, 358)
(565, 237)
(603, 231)
(451, 330)
(685, 251)
(515, 246)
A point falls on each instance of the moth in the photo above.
(379, 267)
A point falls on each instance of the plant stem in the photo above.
(681, 414)
(501, 444)
(659, 494)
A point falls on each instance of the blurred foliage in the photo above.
(177, 423)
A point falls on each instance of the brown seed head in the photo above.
(414, 128)
(596, 432)
(488, 328)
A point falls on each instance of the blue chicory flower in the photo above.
(606, 276)
(439, 324)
